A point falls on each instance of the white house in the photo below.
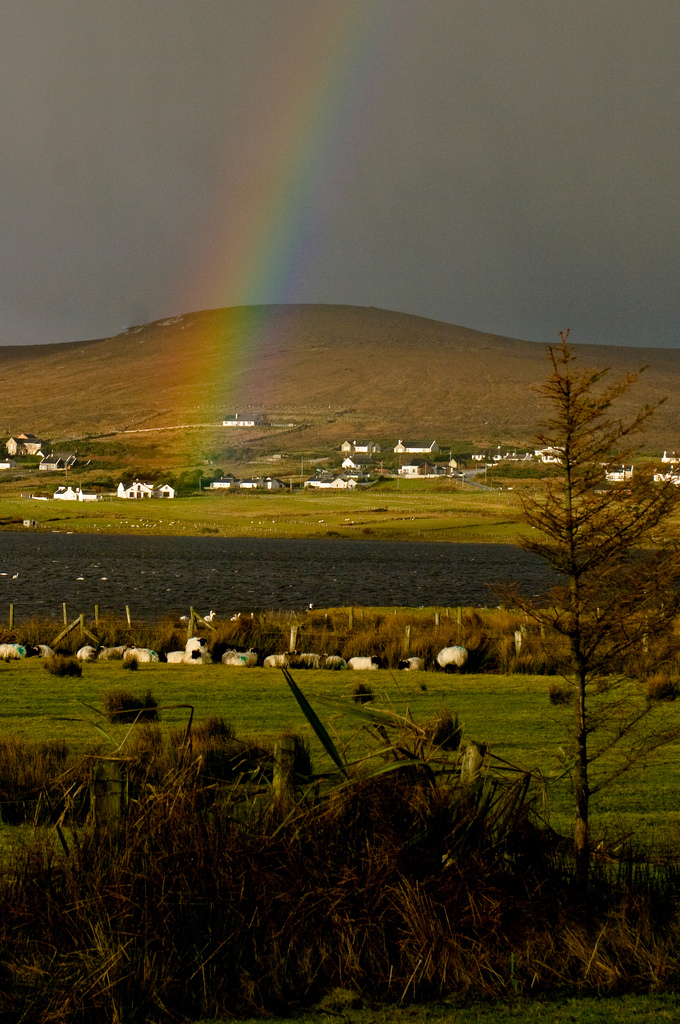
(137, 489)
(224, 483)
(272, 483)
(356, 462)
(620, 474)
(7, 464)
(58, 460)
(236, 420)
(73, 494)
(548, 454)
(416, 447)
(327, 481)
(164, 491)
(668, 477)
(418, 467)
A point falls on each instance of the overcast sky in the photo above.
(507, 165)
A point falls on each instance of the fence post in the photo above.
(284, 763)
(96, 613)
(351, 617)
(107, 792)
(407, 639)
(518, 641)
(11, 616)
(81, 617)
(293, 638)
(127, 612)
(63, 608)
(436, 620)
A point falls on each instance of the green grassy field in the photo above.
(510, 713)
(384, 513)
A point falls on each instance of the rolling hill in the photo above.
(341, 371)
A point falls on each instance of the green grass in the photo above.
(510, 713)
(410, 513)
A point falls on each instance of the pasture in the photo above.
(412, 511)
(511, 713)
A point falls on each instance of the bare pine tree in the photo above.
(617, 597)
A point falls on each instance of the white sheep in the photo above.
(364, 664)
(195, 653)
(140, 655)
(87, 653)
(12, 652)
(450, 658)
(412, 664)
(45, 651)
(333, 662)
(112, 653)
(279, 660)
(306, 661)
(240, 659)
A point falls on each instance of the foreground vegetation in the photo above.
(431, 866)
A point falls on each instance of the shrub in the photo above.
(123, 706)
(62, 665)
(560, 693)
(362, 694)
(662, 687)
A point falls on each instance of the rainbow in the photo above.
(265, 233)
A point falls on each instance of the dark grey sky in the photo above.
(508, 165)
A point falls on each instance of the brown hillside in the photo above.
(345, 369)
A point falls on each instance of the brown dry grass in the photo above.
(339, 371)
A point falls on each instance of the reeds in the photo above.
(407, 883)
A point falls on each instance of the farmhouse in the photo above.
(360, 462)
(224, 483)
(421, 467)
(71, 494)
(360, 447)
(58, 460)
(416, 447)
(620, 474)
(138, 489)
(237, 420)
(24, 444)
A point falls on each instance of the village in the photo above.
(353, 464)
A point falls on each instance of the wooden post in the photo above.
(284, 762)
(407, 639)
(107, 792)
(351, 617)
(11, 616)
(127, 612)
(63, 608)
(81, 618)
(436, 620)
(518, 641)
(473, 759)
(293, 638)
(96, 613)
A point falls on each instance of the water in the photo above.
(157, 575)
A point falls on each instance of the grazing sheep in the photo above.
(450, 658)
(364, 664)
(240, 659)
(45, 651)
(87, 653)
(306, 661)
(139, 654)
(333, 662)
(412, 664)
(279, 660)
(12, 652)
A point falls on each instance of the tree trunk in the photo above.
(581, 787)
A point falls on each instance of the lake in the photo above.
(159, 575)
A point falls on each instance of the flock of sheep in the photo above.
(196, 653)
